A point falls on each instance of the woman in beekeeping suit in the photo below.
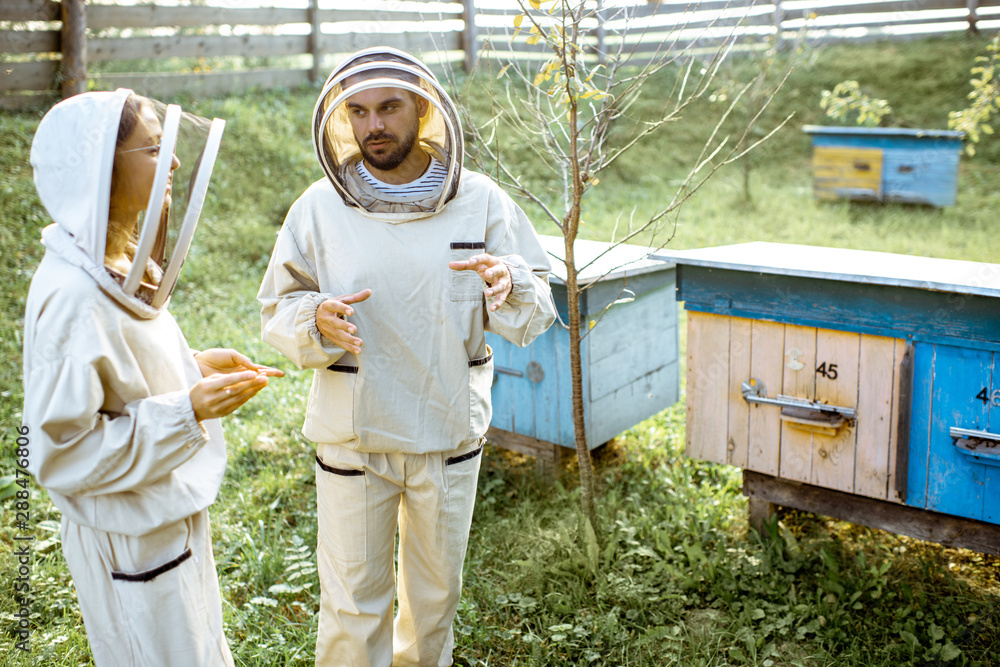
(122, 415)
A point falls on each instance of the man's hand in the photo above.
(494, 273)
(331, 320)
(219, 360)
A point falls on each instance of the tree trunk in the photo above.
(571, 227)
(576, 373)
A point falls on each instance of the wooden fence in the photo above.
(48, 48)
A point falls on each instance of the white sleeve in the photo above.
(289, 296)
(528, 310)
(79, 450)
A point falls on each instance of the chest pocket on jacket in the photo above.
(466, 285)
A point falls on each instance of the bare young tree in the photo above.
(566, 106)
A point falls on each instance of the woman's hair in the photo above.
(130, 116)
(125, 232)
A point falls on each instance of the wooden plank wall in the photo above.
(857, 371)
(197, 48)
(709, 23)
(31, 41)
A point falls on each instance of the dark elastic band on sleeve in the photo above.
(149, 575)
(343, 472)
(480, 362)
(342, 368)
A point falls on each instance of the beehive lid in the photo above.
(857, 266)
(883, 132)
(598, 261)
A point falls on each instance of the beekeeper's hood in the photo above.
(440, 132)
(73, 155)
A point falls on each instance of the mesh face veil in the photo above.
(439, 133)
(176, 193)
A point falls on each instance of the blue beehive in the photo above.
(857, 384)
(630, 356)
(885, 164)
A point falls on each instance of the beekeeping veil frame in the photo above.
(164, 233)
(440, 131)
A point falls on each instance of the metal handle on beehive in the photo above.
(983, 445)
(534, 371)
(754, 391)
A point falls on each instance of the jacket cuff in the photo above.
(323, 352)
(195, 434)
(520, 281)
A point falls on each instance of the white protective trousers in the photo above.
(151, 600)
(361, 497)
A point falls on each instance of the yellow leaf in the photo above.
(593, 323)
(503, 70)
(518, 20)
(534, 39)
(536, 4)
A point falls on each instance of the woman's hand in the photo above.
(218, 395)
(230, 379)
(220, 360)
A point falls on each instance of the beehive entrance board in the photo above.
(869, 375)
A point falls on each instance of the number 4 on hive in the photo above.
(985, 396)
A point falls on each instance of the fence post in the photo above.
(315, 41)
(602, 56)
(779, 18)
(74, 47)
(973, 5)
(470, 40)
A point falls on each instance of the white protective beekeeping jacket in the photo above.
(106, 376)
(422, 381)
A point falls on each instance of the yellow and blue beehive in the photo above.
(885, 164)
(867, 373)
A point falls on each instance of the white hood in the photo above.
(440, 133)
(73, 154)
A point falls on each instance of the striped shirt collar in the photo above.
(429, 181)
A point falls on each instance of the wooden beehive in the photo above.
(885, 164)
(852, 383)
(630, 357)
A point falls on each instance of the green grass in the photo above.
(676, 579)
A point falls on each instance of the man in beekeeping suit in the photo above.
(120, 415)
(383, 280)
